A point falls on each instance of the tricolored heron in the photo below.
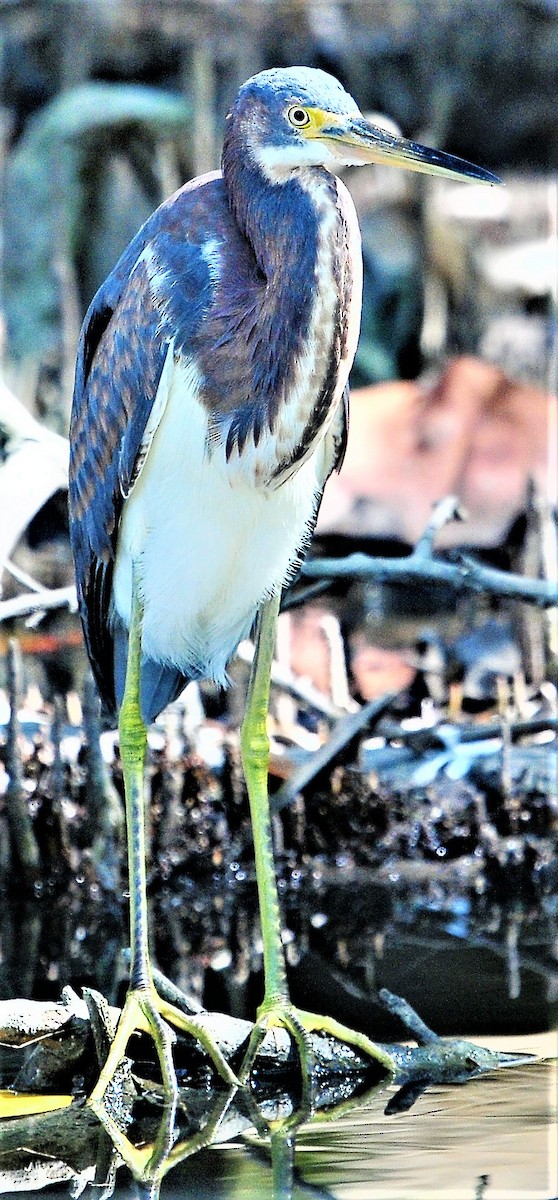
(210, 407)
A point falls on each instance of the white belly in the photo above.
(210, 547)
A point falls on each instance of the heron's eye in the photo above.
(298, 116)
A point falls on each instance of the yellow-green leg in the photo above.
(276, 1008)
(145, 1011)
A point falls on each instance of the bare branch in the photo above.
(22, 577)
(446, 510)
(345, 731)
(463, 572)
(23, 606)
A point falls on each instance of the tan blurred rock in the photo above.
(473, 432)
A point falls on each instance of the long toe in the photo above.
(301, 1025)
(145, 1011)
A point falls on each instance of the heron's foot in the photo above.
(145, 1011)
(280, 1013)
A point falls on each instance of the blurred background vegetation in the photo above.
(107, 105)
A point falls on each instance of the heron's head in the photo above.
(297, 117)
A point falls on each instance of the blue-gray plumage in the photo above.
(212, 289)
(210, 407)
(246, 284)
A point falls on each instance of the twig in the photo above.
(348, 728)
(22, 835)
(433, 735)
(462, 572)
(407, 1015)
(296, 596)
(505, 583)
(446, 510)
(47, 598)
(22, 577)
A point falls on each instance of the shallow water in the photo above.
(494, 1138)
(489, 974)
(502, 1127)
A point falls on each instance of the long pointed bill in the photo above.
(358, 141)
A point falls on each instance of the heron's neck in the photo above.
(301, 233)
(278, 219)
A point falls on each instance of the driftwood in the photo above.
(69, 1143)
(53, 1036)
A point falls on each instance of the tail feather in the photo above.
(160, 684)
